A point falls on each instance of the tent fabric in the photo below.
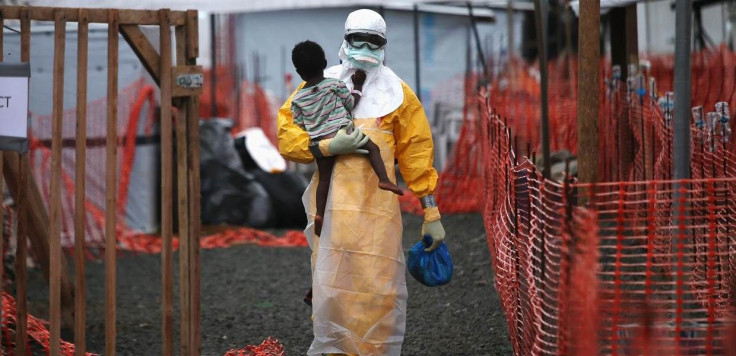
(233, 6)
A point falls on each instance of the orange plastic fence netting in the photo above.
(39, 336)
(645, 268)
(133, 100)
(515, 95)
(269, 347)
(137, 102)
(460, 180)
(245, 102)
(147, 243)
(458, 185)
(37, 332)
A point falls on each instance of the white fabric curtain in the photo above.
(232, 6)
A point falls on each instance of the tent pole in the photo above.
(478, 46)
(510, 23)
(213, 82)
(681, 138)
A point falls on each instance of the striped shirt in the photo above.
(323, 109)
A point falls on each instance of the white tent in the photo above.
(268, 29)
(264, 40)
(142, 193)
(233, 6)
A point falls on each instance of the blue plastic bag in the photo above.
(430, 268)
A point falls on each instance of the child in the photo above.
(322, 107)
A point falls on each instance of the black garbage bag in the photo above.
(230, 195)
(285, 189)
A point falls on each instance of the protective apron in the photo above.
(358, 267)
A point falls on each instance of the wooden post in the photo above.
(213, 58)
(21, 335)
(37, 228)
(624, 50)
(55, 198)
(138, 17)
(111, 183)
(632, 34)
(143, 49)
(2, 210)
(192, 118)
(624, 46)
(44, 230)
(25, 192)
(182, 206)
(166, 186)
(80, 184)
(588, 77)
(160, 67)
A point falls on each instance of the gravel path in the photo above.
(251, 292)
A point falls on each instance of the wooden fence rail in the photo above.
(67, 301)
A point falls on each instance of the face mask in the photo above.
(364, 58)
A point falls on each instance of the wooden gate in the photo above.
(180, 85)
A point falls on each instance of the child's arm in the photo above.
(358, 79)
(346, 96)
(351, 98)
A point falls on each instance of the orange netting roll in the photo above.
(269, 347)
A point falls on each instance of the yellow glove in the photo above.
(433, 227)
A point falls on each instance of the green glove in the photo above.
(434, 229)
(344, 142)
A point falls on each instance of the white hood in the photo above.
(382, 91)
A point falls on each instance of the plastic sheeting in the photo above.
(284, 189)
(230, 195)
(235, 190)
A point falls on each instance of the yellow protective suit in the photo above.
(358, 269)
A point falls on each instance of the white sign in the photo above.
(14, 107)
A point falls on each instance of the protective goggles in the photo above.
(360, 40)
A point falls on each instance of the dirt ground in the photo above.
(251, 292)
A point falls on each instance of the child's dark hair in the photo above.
(309, 59)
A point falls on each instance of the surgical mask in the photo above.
(365, 58)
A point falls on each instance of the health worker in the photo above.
(358, 268)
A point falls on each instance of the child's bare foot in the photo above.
(318, 225)
(390, 187)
